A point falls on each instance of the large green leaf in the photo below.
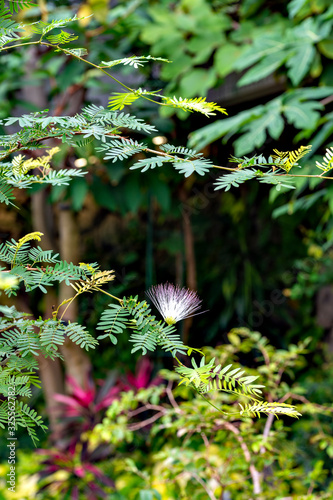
(264, 68)
(132, 193)
(299, 64)
(206, 135)
(197, 82)
(225, 58)
(326, 47)
(295, 6)
(78, 191)
(256, 131)
(302, 115)
(264, 46)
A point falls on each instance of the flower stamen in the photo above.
(174, 303)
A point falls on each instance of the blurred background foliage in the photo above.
(259, 259)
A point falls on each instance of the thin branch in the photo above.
(146, 407)
(205, 439)
(327, 100)
(7, 328)
(170, 395)
(203, 484)
(144, 423)
(267, 429)
(210, 403)
(265, 355)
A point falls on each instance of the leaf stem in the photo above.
(209, 402)
(109, 294)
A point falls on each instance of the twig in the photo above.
(203, 484)
(327, 100)
(265, 355)
(205, 439)
(140, 425)
(7, 328)
(267, 429)
(146, 407)
(170, 395)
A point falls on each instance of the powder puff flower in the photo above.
(174, 303)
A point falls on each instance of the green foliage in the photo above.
(28, 265)
(299, 108)
(208, 377)
(121, 149)
(234, 456)
(152, 162)
(6, 192)
(113, 321)
(9, 29)
(235, 179)
(147, 331)
(171, 471)
(240, 176)
(15, 5)
(265, 48)
(24, 338)
(25, 417)
(193, 161)
(43, 27)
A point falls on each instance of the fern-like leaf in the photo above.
(134, 61)
(208, 377)
(277, 180)
(78, 52)
(148, 332)
(233, 381)
(151, 163)
(28, 418)
(269, 409)
(98, 279)
(51, 334)
(121, 99)
(327, 163)
(169, 148)
(121, 149)
(6, 193)
(198, 104)
(240, 176)
(188, 167)
(288, 159)
(43, 27)
(113, 321)
(62, 38)
(16, 5)
(234, 179)
(79, 335)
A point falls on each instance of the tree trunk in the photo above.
(77, 363)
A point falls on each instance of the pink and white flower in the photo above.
(174, 303)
